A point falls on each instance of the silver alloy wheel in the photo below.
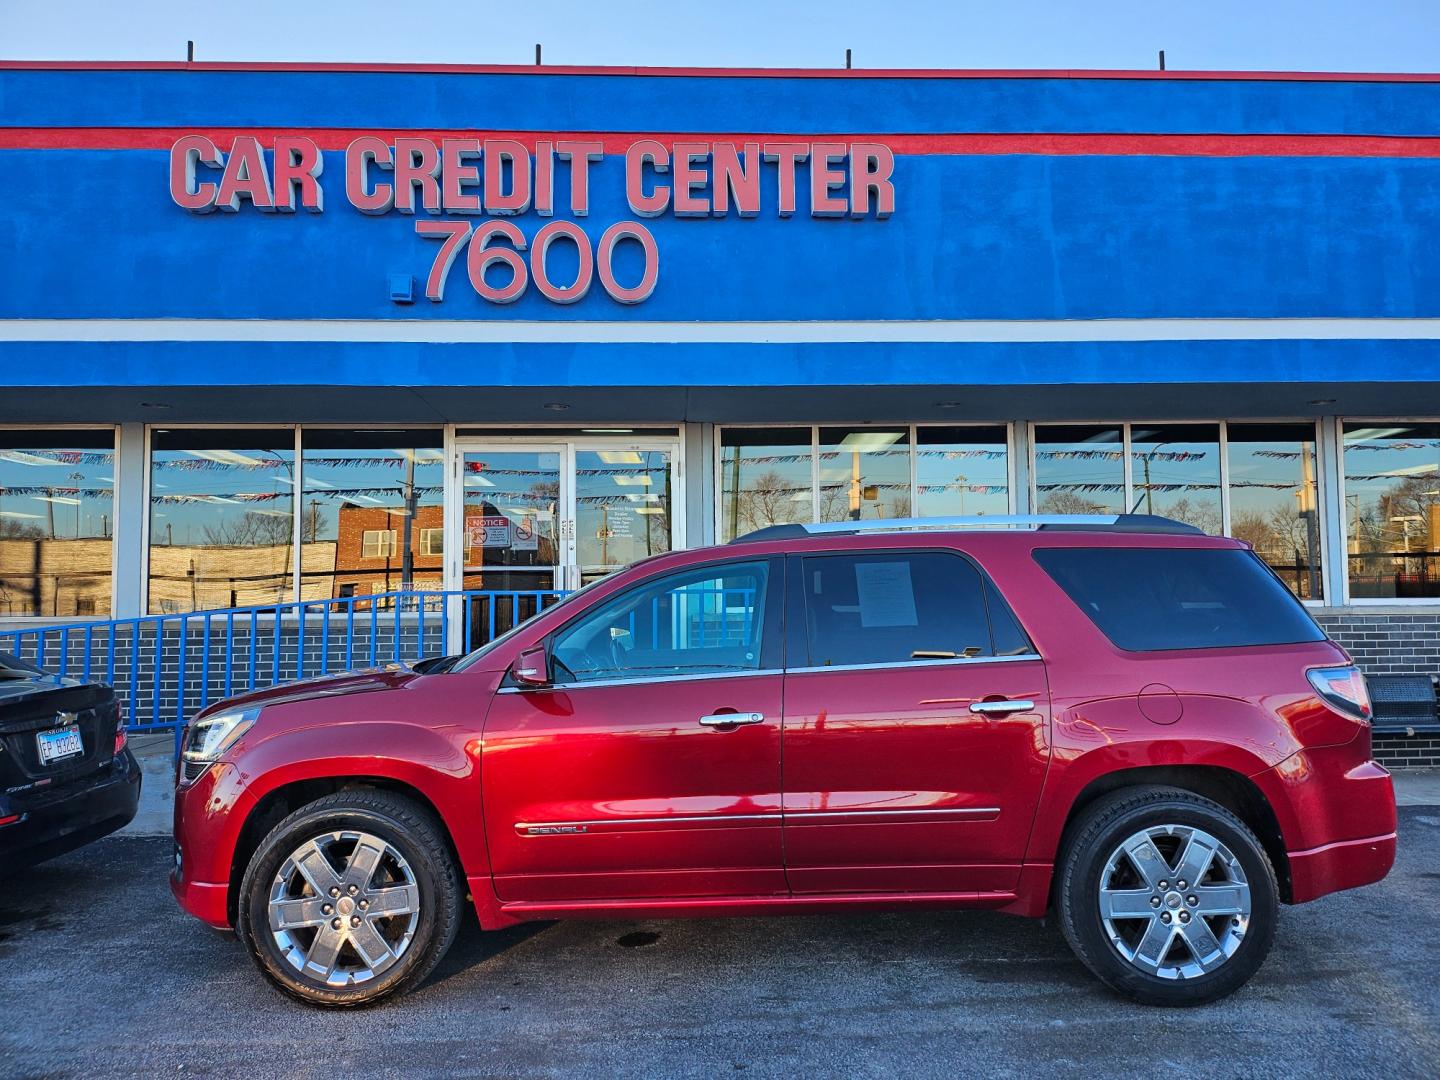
(343, 907)
(1174, 901)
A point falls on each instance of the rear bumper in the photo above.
(53, 825)
(1338, 819)
(1345, 864)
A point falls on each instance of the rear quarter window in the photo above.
(1151, 599)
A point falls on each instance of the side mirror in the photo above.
(531, 667)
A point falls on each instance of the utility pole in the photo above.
(407, 559)
(735, 496)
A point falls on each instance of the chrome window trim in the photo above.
(959, 661)
(641, 680)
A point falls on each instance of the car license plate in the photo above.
(59, 744)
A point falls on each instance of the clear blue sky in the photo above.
(1312, 35)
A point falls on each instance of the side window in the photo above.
(703, 621)
(894, 607)
(1010, 640)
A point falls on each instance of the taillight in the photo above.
(1343, 689)
(121, 738)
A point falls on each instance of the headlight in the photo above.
(208, 738)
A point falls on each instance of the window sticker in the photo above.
(886, 594)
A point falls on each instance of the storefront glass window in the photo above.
(961, 471)
(372, 512)
(1274, 500)
(765, 479)
(1079, 469)
(221, 518)
(1392, 509)
(1175, 472)
(57, 518)
(864, 473)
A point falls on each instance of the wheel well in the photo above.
(1228, 788)
(279, 804)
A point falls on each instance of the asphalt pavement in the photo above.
(101, 975)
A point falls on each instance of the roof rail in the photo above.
(1121, 523)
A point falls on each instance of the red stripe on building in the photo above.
(986, 143)
(724, 73)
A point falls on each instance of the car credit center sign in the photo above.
(454, 180)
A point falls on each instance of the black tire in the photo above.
(415, 834)
(1099, 832)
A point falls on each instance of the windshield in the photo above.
(476, 655)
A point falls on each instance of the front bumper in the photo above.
(208, 815)
(62, 821)
(208, 901)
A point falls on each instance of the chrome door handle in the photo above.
(1000, 708)
(731, 719)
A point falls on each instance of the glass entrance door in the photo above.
(624, 506)
(507, 533)
(531, 518)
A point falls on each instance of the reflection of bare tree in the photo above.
(1204, 516)
(1279, 535)
(1401, 519)
(1068, 502)
(19, 530)
(835, 502)
(253, 529)
(769, 499)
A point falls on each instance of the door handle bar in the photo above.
(731, 719)
(1000, 708)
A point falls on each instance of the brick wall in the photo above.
(1393, 643)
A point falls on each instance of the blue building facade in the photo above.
(271, 333)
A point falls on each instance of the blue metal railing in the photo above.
(165, 668)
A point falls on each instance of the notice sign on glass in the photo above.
(487, 531)
(523, 537)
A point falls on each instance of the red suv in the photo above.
(1118, 719)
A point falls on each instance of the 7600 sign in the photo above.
(485, 249)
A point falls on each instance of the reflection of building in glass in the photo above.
(56, 521)
(371, 557)
(1392, 509)
(41, 576)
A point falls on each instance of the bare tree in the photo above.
(1068, 502)
(255, 529)
(767, 500)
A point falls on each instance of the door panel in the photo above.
(659, 805)
(627, 778)
(893, 782)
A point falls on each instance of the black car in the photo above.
(66, 775)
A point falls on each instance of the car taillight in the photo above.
(121, 738)
(1343, 689)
